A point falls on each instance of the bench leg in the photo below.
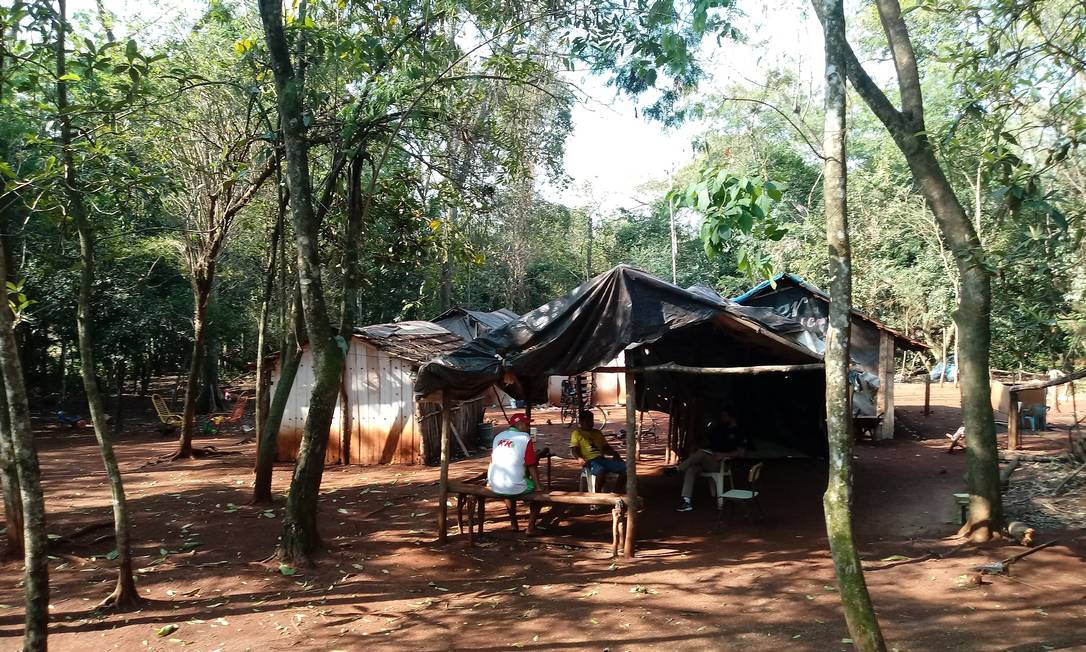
(482, 512)
(615, 519)
(618, 528)
(533, 517)
(460, 500)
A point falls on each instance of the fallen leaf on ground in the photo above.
(167, 630)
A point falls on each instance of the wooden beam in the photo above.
(631, 466)
(927, 394)
(713, 371)
(443, 481)
(1037, 384)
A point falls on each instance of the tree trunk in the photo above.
(35, 555)
(125, 594)
(290, 356)
(120, 373)
(973, 315)
(210, 397)
(837, 501)
(17, 439)
(262, 484)
(201, 292)
(445, 285)
(300, 538)
(588, 248)
(9, 477)
(63, 370)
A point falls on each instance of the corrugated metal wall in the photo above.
(381, 417)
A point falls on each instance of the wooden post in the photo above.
(443, 482)
(1012, 422)
(927, 394)
(631, 466)
(886, 385)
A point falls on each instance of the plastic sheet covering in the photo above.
(590, 325)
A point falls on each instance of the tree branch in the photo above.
(901, 47)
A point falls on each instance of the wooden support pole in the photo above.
(927, 394)
(443, 482)
(631, 466)
(1012, 422)
(711, 371)
(886, 386)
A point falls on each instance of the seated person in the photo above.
(514, 466)
(722, 441)
(589, 445)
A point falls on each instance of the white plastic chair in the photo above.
(716, 487)
(587, 481)
(747, 496)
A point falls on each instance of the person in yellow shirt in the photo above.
(588, 444)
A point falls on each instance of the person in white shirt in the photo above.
(514, 466)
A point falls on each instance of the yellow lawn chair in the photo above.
(169, 419)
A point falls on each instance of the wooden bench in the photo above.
(472, 498)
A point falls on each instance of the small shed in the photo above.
(872, 346)
(377, 418)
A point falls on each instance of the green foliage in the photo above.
(648, 45)
(736, 212)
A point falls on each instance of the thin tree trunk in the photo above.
(201, 292)
(120, 373)
(210, 397)
(9, 476)
(445, 285)
(35, 555)
(300, 539)
(837, 501)
(290, 357)
(63, 369)
(588, 248)
(263, 371)
(19, 460)
(125, 594)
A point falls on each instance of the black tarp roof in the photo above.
(590, 325)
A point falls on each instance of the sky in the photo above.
(614, 151)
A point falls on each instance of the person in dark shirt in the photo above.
(723, 441)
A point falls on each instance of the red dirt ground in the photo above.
(698, 583)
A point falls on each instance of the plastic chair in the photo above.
(747, 496)
(716, 488)
(587, 481)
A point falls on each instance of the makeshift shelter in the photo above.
(378, 419)
(686, 352)
(873, 344)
